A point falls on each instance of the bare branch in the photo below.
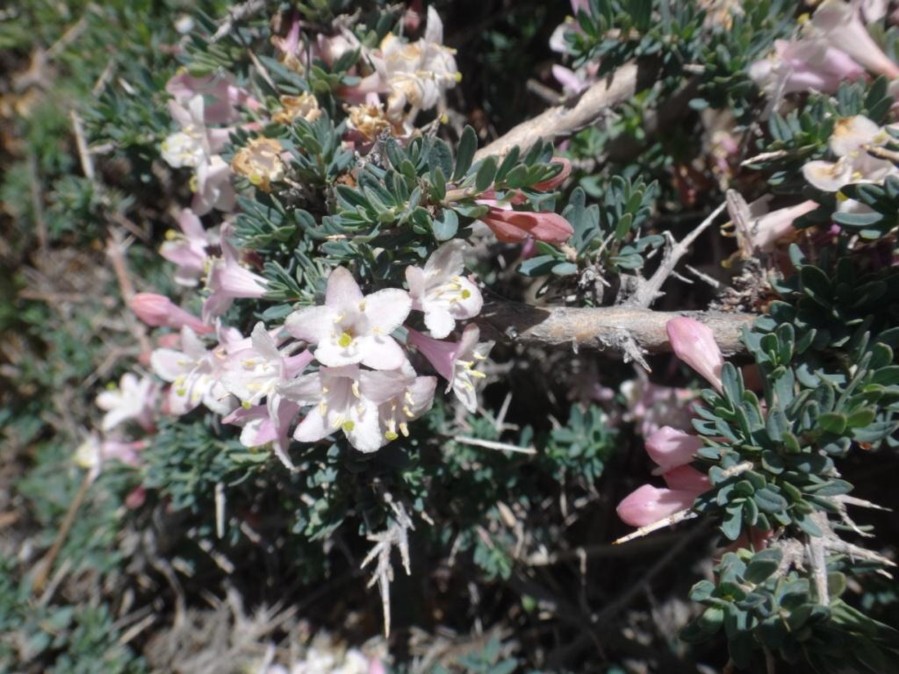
(562, 120)
(607, 328)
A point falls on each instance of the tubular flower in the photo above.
(840, 25)
(133, 399)
(228, 280)
(188, 249)
(518, 226)
(338, 404)
(195, 374)
(456, 362)
(400, 395)
(159, 311)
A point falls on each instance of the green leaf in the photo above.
(832, 422)
(440, 157)
(468, 145)
(762, 565)
(446, 226)
(539, 265)
(816, 285)
(565, 269)
(770, 501)
(485, 175)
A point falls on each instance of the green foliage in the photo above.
(608, 237)
(761, 605)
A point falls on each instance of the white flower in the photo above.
(440, 290)
(416, 74)
(133, 399)
(850, 141)
(351, 328)
(401, 396)
(195, 374)
(456, 362)
(338, 404)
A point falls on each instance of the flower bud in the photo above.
(647, 505)
(159, 311)
(687, 478)
(694, 343)
(670, 447)
(518, 226)
(556, 180)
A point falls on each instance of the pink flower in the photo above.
(261, 427)
(159, 311)
(195, 374)
(133, 399)
(670, 448)
(518, 226)
(805, 65)
(441, 291)
(401, 396)
(839, 23)
(647, 505)
(228, 280)
(351, 328)
(221, 96)
(694, 343)
(338, 404)
(188, 249)
(456, 361)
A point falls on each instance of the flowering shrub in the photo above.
(385, 376)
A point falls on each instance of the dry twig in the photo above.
(650, 289)
(395, 536)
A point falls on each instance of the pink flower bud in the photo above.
(159, 311)
(518, 226)
(647, 505)
(670, 447)
(687, 478)
(694, 343)
(558, 179)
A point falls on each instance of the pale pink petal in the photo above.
(440, 322)
(312, 324)
(669, 447)
(342, 289)
(387, 309)
(648, 505)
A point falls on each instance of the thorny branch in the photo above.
(631, 331)
(650, 289)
